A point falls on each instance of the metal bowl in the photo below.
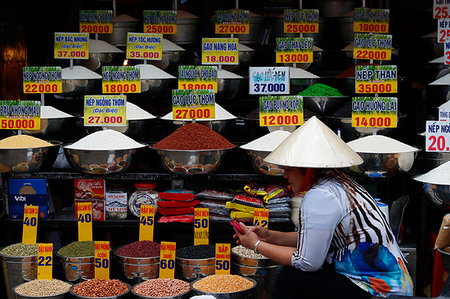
(136, 129)
(17, 270)
(99, 161)
(234, 295)
(218, 126)
(252, 271)
(123, 295)
(324, 105)
(251, 261)
(184, 295)
(190, 269)
(258, 163)
(101, 54)
(77, 268)
(438, 195)
(54, 128)
(230, 89)
(57, 296)
(78, 81)
(191, 162)
(435, 159)
(23, 160)
(138, 268)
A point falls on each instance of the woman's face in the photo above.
(295, 177)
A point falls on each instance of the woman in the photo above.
(344, 247)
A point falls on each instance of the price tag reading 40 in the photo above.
(371, 20)
(294, 50)
(144, 46)
(376, 79)
(372, 46)
(167, 260)
(193, 104)
(235, 21)
(42, 79)
(301, 21)
(101, 260)
(121, 79)
(146, 222)
(374, 112)
(96, 21)
(160, 21)
(220, 51)
(45, 261)
(280, 111)
(30, 220)
(18, 115)
(437, 135)
(105, 110)
(261, 217)
(201, 226)
(71, 45)
(223, 252)
(197, 77)
(84, 218)
(269, 80)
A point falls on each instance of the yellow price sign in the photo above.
(371, 20)
(101, 260)
(234, 21)
(220, 51)
(146, 222)
(301, 21)
(376, 87)
(42, 79)
(261, 217)
(105, 110)
(197, 77)
(372, 54)
(372, 27)
(121, 79)
(374, 112)
(71, 45)
(20, 115)
(294, 50)
(376, 78)
(160, 21)
(201, 226)
(193, 104)
(30, 221)
(223, 253)
(167, 260)
(280, 111)
(372, 46)
(45, 261)
(144, 46)
(96, 21)
(84, 220)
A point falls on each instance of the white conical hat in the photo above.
(314, 145)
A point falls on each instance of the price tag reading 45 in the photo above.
(71, 45)
(437, 136)
(144, 46)
(223, 252)
(30, 220)
(83, 215)
(201, 226)
(121, 79)
(101, 260)
(372, 46)
(146, 222)
(44, 79)
(374, 112)
(280, 111)
(105, 110)
(45, 261)
(193, 104)
(18, 115)
(261, 217)
(376, 79)
(220, 51)
(269, 80)
(167, 260)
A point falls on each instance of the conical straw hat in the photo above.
(314, 145)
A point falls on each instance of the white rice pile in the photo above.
(135, 112)
(268, 142)
(380, 144)
(298, 73)
(100, 46)
(105, 140)
(223, 74)
(149, 71)
(168, 46)
(48, 112)
(439, 175)
(78, 72)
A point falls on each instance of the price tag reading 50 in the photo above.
(101, 260)
(223, 258)
(201, 226)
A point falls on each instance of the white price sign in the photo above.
(441, 9)
(269, 80)
(444, 114)
(437, 136)
(443, 32)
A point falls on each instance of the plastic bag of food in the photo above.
(177, 218)
(215, 195)
(177, 203)
(239, 207)
(284, 199)
(241, 216)
(244, 199)
(176, 211)
(255, 189)
(274, 191)
(215, 209)
(177, 194)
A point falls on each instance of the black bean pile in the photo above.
(197, 252)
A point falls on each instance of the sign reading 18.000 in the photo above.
(121, 79)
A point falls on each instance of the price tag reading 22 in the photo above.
(146, 222)
(30, 220)
(167, 260)
(101, 260)
(372, 46)
(45, 261)
(280, 111)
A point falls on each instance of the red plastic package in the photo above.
(176, 211)
(177, 218)
(177, 194)
(248, 201)
(177, 203)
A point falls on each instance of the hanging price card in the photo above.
(197, 77)
(443, 32)
(83, 214)
(376, 79)
(45, 261)
(372, 46)
(301, 21)
(42, 79)
(105, 110)
(144, 46)
(201, 226)
(193, 104)
(280, 111)
(437, 136)
(30, 220)
(269, 80)
(261, 217)
(146, 222)
(167, 260)
(121, 79)
(160, 21)
(96, 21)
(441, 9)
(371, 20)
(101, 260)
(71, 45)
(444, 112)
(223, 258)
(294, 50)
(20, 115)
(374, 112)
(220, 51)
(235, 21)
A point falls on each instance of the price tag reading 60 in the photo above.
(167, 260)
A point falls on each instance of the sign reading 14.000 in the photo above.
(374, 112)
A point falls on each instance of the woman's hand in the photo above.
(248, 239)
(262, 232)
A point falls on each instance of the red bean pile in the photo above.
(140, 249)
(100, 288)
(162, 287)
(194, 136)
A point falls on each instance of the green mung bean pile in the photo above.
(78, 249)
(19, 249)
(320, 90)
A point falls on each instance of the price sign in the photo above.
(193, 104)
(160, 21)
(443, 32)
(294, 50)
(261, 217)
(371, 20)
(197, 77)
(374, 112)
(280, 111)
(444, 114)
(437, 136)
(301, 21)
(167, 260)
(101, 260)
(42, 79)
(376, 78)
(105, 110)
(83, 215)
(45, 261)
(220, 51)
(201, 226)
(269, 80)
(30, 220)
(121, 79)
(235, 21)
(20, 115)
(71, 45)
(372, 46)
(144, 46)
(223, 258)
(441, 9)
(96, 21)
(447, 52)
(146, 222)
